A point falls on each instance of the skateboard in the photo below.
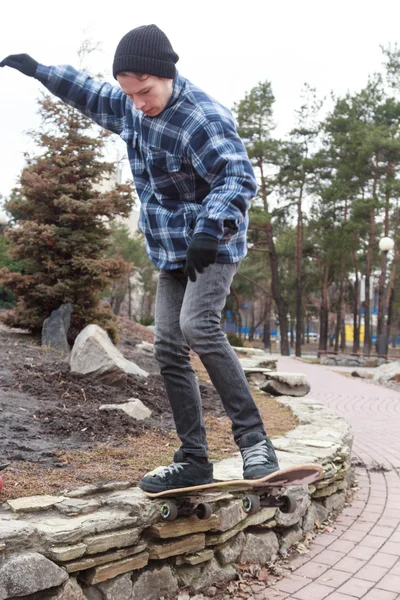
(268, 491)
(2, 467)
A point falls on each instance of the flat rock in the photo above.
(76, 506)
(285, 384)
(34, 503)
(183, 545)
(109, 571)
(87, 490)
(114, 539)
(93, 561)
(181, 527)
(360, 373)
(65, 553)
(195, 559)
(134, 409)
(70, 530)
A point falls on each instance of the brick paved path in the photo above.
(361, 558)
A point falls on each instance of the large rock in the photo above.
(28, 573)
(119, 588)
(387, 372)
(260, 548)
(95, 354)
(200, 578)
(300, 493)
(231, 550)
(310, 518)
(55, 328)
(154, 584)
(71, 590)
(285, 384)
(289, 538)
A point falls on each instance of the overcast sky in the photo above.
(226, 48)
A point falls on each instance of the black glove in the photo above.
(22, 62)
(202, 252)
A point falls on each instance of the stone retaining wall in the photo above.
(109, 543)
(347, 360)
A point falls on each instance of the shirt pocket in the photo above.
(171, 179)
(135, 157)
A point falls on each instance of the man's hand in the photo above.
(202, 252)
(22, 62)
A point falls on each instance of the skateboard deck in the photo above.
(267, 492)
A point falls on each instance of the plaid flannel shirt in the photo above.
(190, 168)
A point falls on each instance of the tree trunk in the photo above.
(252, 325)
(299, 287)
(276, 292)
(389, 326)
(237, 315)
(267, 320)
(367, 303)
(356, 328)
(129, 299)
(371, 243)
(323, 313)
(339, 312)
(343, 336)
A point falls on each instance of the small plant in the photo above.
(235, 340)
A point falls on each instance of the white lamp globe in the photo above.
(386, 244)
(3, 217)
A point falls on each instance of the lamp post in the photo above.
(385, 245)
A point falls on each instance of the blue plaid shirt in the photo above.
(190, 168)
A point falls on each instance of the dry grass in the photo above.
(135, 455)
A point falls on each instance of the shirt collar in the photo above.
(177, 87)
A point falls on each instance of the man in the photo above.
(195, 184)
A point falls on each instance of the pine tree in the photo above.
(60, 231)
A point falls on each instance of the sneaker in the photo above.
(259, 458)
(187, 473)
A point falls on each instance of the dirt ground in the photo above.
(55, 438)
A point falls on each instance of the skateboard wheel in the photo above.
(289, 504)
(169, 511)
(251, 504)
(203, 511)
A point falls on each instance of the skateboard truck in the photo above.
(185, 507)
(252, 503)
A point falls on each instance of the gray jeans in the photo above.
(188, 316)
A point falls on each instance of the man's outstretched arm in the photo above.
(103, 102)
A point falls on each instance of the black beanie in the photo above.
(145, 49)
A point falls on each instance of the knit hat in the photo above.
(146, 49)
